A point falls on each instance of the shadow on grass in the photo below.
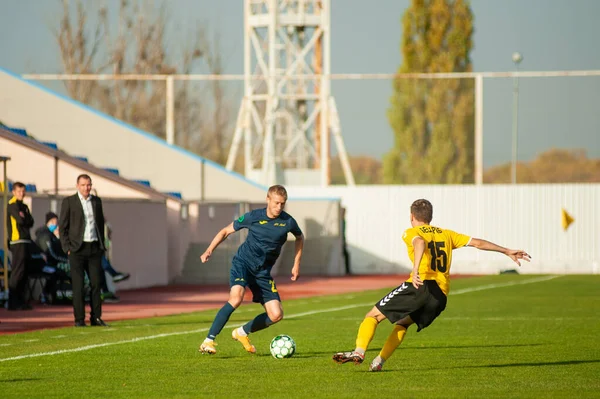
(406, 348)
(8, 380)
(305, 354)
(529, 364)
(309, 354)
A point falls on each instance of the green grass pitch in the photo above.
(500, 336)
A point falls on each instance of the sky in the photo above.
(365, 38)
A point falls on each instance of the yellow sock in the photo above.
(366, 331)
(393, 341)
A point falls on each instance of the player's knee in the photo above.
(235, 301)
(376, 314)
(276, 315)
(236, 304)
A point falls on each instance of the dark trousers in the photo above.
(18, 275)
(88, 259)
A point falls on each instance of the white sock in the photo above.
(379, 360)
(208, 340)
(360, 350)
(241, 332)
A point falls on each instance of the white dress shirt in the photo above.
(91, 232)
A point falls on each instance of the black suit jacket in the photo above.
(72, 222)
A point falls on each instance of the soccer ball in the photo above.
(283, 346)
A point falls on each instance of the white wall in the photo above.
(140, 237)
(107, 142)
(524, 216)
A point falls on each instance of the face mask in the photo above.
(52, 227)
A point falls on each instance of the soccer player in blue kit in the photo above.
(251, 267)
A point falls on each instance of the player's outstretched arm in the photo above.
(219, 238)
(419, 245)
(299, 246)
(514, 254)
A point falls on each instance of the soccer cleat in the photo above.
(208, 347)
(244, 340)
(375, 366)
(345, 357)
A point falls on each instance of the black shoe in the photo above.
(80, 324)
(98, 322)
(121, 277)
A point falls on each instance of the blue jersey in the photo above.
(266, 236)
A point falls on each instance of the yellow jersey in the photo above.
(437, 258)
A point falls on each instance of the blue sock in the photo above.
(260, 322)
(220, 320)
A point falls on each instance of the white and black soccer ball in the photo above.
(282, 347)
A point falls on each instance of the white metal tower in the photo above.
(287, 113)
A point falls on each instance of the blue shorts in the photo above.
(260, 283)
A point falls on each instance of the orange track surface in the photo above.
(169, 300)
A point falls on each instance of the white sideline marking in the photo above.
(520, 318)
(5, 344)
(88, 347)
(59, 336)
(292, 316)
(489, 286)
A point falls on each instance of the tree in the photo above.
(366, 170)
(552, 166)
(89, 43)
(433, 119)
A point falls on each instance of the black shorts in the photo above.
(260, 283)
(422, 305)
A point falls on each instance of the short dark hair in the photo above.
(50, 216)
(83, 176)
(422, 210)
(18, 184)
(277, 189)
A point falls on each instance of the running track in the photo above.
(169, 300)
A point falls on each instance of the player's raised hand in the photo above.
(295, 272)
(205, 256)
(516, 254)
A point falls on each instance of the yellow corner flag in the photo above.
(566, 220)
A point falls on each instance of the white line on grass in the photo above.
(88, 347)
(521, 318)
(499, 319)
(490, 286)
(292, 316)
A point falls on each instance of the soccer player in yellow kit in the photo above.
(422, 297)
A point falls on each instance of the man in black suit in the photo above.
(81, 228)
